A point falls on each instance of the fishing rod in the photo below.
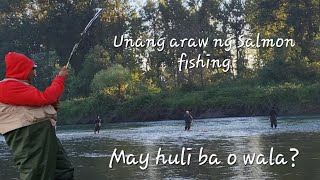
(98, 12)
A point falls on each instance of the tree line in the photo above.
(47, 31)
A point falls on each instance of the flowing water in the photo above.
(91, 153)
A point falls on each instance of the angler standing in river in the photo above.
(188, 120)
(273, 117)
(97, 125)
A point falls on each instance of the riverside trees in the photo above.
(49, 29)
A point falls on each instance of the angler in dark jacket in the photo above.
(188, 120)
(273, 117)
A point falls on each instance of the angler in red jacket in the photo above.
(21, 68)
(27, 120)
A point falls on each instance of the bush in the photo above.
(239, 99)
(74, 111)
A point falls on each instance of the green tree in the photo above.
(96, 60)
(298, 20)
(233, 15)
(113, 80)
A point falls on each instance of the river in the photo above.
(235, 136)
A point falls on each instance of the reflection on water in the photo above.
(91, 153)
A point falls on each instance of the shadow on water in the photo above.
(91, 153)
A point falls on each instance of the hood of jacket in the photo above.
(18, 66)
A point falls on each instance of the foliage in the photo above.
(84, 110)
(129, 79)
(240, 98)
(113, 81)
(97, 59)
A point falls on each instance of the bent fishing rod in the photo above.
(98, 12)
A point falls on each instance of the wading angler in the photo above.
(185, 63)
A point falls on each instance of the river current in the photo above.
(219, 138)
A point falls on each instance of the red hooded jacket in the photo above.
(13, 92)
